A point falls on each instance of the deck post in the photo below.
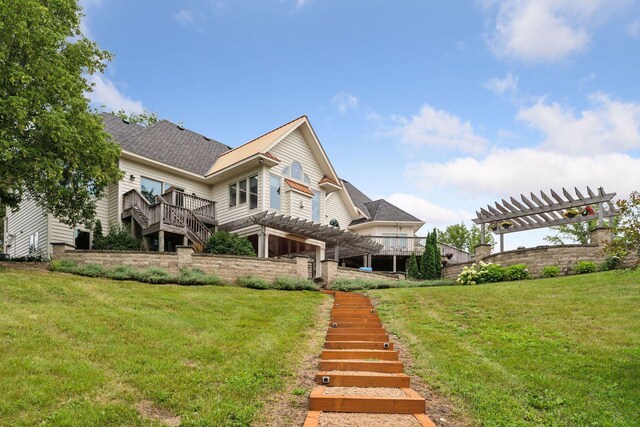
(501, 242)
(395, 268)
(161, 241)
(261, 242)
(185, 240)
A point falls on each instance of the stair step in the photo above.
(392, 367)
(362, 345)
(371, 330)
(336, 419)
(352, 354)
(364, 379)
(412, 403)
(357, 323)
(359, 337)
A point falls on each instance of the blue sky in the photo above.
(440, 107)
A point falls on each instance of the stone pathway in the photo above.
(360, 381)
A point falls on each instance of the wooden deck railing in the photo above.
(197, 205)
(406, 245)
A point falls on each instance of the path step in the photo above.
(364, 379)
(353, 354)
(413, 403)
(363, 345)
(371, 330)
(392, 367)
(359, 337)
(356, 323)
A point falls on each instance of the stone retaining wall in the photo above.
(354, 274)
(229, 268)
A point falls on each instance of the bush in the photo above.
(196, 277)
(118, 239)
(551, 271)
(122, 272)
(90, 270)
(34, 257)
(64, 265)
(468, 275)
(287, 284)
(611, 262)
(253, 282)
(516, 272)
(490, 273)
(584, 267)
(414, 271)
(155, 275)
(225, 243)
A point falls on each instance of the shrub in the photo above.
(551, 271)
(490, 273)
(225, 243)
(253, 282)
(611, 262)
(122, 272)
(468, 275)
(584, 267)
(516, 272)
(34, 257)
(155, 275)
(118, 239)
(63, 265)
(414, 271)
(97, 234)
(196, 277)
(288, 284)
(90, 270)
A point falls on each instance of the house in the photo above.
(279, 190)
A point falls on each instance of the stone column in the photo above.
(302, 266)
(59, 249)
(184, 254)
(482, 251)
(319, 257)
(329, 269)
(161, 241)
(601, 236)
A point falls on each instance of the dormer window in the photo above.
(295, 172)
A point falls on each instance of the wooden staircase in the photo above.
(360, 373)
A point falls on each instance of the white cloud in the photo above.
(633, 29)
(547, 30)
(106, 93)
(432, 214)
(184, 17)
(508, 172)
(610, 126)
(345, 101)
(301, 3)
(507, 85)
(439, 128)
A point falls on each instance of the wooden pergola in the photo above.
(530, 213)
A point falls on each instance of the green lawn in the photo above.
(80, 351)
(553, 352)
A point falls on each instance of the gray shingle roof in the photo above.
(377, 210)
(167, 143)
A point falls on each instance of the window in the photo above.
(83, 240)
(274, 192)
(395, 241)
(296, 171)
(242, 190)
(253, 192)
(315, 206)
(33, 243)
(150, 188)
(232, 195)
(306, 179)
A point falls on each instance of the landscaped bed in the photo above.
(553, 352)
(82, 351)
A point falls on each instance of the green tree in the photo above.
(462, 237)
(53, 147)
(413, 270)
(626, 228)
(436, 257)
(474, 238)
(97, 234)
(577, 232)
(2, 215)
(146, 118)
(426, 262)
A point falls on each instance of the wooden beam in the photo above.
(566, 194)
(557, 196)
(551, 223)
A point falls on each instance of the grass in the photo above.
(82, 351)
(550, 352)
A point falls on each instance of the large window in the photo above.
(33, 243)
(315, 206)
(395, 241)
(295, 172)
(150, 188)
(242, 190)
(274, 192)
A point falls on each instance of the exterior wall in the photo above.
(30, 218)
(220, 195)
(336, 208)
(565, 257)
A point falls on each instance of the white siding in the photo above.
(113, 215)
(30, 218)
(220, 195)
(336, 208)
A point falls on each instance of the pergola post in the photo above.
(501, 242)
(482, 232)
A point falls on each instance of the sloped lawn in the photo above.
(80, 351)
(553, 352)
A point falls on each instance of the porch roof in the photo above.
(308, 229)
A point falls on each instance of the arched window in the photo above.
(296, 171)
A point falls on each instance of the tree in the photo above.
(626, 228)
(413, 270)
(146, 118)
(577, 232)
(53, 147)
(461, 237)
(98, 237)
(436, 260)
(431, 262)
(2, 215)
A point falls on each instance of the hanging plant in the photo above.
(494, 226)
(506, 224)
(588, 210)
(571, 213)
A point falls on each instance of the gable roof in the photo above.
(167, 143)
(256, 146)
(376, 210)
